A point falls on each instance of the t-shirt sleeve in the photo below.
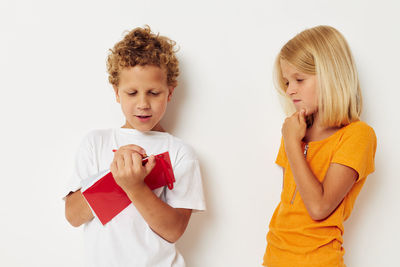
(281, 158)
(188, 189)
(356, 149)
(84, 165)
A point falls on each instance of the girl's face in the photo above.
(300, 87)
(143, 93)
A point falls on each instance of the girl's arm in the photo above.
(77, 211)
(320, 198)
(168, 222)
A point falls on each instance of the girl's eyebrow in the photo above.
(297, 73)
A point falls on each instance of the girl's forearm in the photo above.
(310, 189)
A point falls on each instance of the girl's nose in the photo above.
(290, 90)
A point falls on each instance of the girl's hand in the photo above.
(127, 168)
(294, 128)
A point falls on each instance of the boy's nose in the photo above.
(143, 103)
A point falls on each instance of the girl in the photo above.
(326, 152)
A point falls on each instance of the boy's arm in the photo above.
(77, 211)
(129, 173)
(168, 222)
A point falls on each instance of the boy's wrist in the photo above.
(135, 189)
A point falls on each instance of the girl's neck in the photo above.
(317, 131)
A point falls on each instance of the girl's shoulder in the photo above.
(358, 128)
(358, 132)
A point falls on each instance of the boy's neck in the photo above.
(157, 128)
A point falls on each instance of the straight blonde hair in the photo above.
(324, 52)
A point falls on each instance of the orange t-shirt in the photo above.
(294, 239)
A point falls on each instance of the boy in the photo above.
(143, 71)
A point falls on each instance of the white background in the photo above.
(54, 90)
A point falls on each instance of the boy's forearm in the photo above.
(77, 211)
(168, 222)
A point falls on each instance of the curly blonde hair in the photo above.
(142, 47)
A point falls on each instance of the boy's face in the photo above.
(143, 93)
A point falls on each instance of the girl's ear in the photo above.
(116, 93)
(170, 92)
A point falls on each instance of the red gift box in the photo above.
(107, 199)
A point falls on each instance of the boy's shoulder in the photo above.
(183, 149)
(97, 134)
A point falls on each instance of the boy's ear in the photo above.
(171, 90)
(116, 93)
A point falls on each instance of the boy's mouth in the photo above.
(143, 118)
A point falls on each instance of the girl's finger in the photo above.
(302, 115)
(295, 115)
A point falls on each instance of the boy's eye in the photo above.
(299, 80)
(154, 93)
(132, 93)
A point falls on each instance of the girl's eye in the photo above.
(299, 80)
(287, 84)
(154, 93)
(132, 93)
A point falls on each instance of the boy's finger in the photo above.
(136, 159)
(150, 164)
(120, 162)
(113, 167)
(135, 148)
(127, 159)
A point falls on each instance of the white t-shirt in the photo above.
(127, 240)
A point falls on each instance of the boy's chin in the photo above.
(141, 128)
(144, 128)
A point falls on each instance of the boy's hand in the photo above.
(294, 128)
(127, 168)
